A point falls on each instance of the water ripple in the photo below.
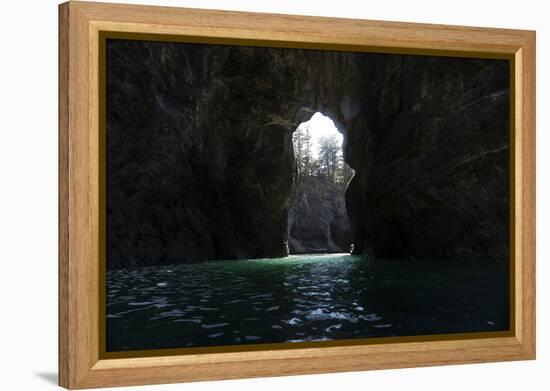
(300, 298)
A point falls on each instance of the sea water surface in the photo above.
(302, 298)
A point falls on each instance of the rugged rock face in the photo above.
(197, 167)
(431, 159)
(317, 218)
(199, 147)
(200, 159)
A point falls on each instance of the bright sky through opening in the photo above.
(321, 126)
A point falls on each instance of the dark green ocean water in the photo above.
(302, 298)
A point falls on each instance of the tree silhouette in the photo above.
(330, 156)
(302, 150)
(330, 163)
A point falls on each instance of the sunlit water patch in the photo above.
(301, 298)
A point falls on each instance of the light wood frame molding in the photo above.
(80, 24)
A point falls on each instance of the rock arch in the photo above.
(200, 157)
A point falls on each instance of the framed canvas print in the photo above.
(248, 195)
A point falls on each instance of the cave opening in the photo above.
(317, 219)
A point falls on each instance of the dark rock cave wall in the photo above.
(200, 161)
(199, 147)
(431, 159)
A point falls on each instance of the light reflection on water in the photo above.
(301, 298)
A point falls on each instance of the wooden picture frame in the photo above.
(81, 364)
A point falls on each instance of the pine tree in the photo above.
(330, 162)
(329, 155)
(298, 142)
(302, 150)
